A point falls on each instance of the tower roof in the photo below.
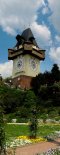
(28, 36)
(26, 44)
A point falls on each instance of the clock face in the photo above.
(20, 63)
(33, 63)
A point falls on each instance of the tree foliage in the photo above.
(47, 87)
(2, 134)
(45, 93)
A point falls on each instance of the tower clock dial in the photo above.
(20, 63)
(33, 63)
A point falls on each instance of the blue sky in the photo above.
(42, 16)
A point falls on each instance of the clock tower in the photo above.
(26, 56)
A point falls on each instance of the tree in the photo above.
(30, 100)
(37, 82)
(2, 134)
(55, 73)
(56, 94)
(33, 124)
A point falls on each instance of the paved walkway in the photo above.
(37, 148)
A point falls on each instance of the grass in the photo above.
(48, 129)
(13, 131)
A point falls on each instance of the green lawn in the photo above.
(13, 131)
(45, 130)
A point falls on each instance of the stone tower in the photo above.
(26, 56)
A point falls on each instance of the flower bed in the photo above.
(24, 140)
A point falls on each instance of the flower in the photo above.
(23, 140)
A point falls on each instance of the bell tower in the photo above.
(26, 56)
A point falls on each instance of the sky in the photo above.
(42, 16)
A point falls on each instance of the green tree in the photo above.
(56, 94)
(55, 72)
(2, 134)
(30, 101)
(33, 124)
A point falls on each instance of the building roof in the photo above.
(26, 36)
(26, 44)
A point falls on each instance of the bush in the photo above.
(9, 117)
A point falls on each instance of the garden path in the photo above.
(37, 148)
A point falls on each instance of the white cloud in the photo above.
(55, 55)
(55, 9)
(17, 15)
(57, 38)
(42, 34)
(6, 69)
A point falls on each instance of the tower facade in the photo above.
(26, 56)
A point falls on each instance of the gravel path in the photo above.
(37, 148)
